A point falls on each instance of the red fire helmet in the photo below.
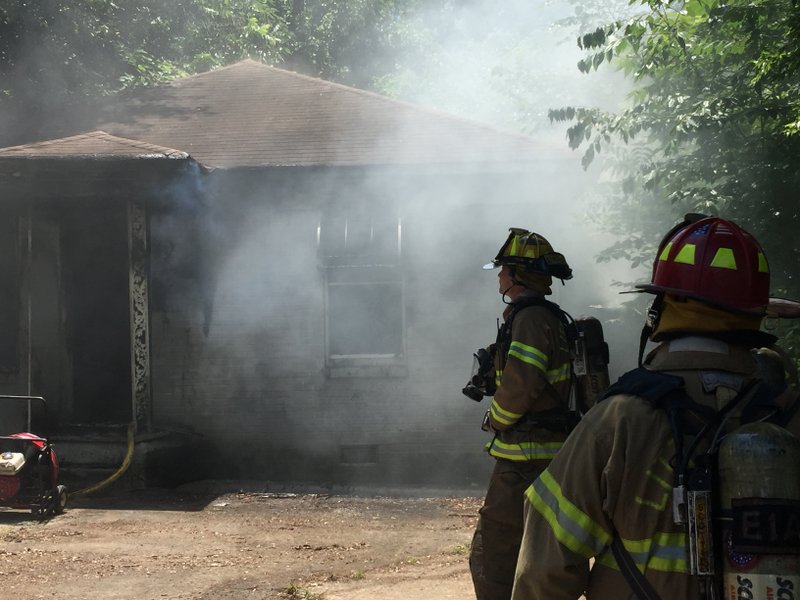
(715, 261)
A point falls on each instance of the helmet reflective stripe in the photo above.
(714, 261)
(523, 451)
(763, 266)
(531, 253)
(724, 259)
(686, 255)
(526, 244)
(571, 526)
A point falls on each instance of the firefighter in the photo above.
(527, 414)
(612, 494)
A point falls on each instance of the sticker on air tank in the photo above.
(757, 586)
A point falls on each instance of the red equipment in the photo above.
(29, 470)
(713, 260)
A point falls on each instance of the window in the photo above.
(361, 258)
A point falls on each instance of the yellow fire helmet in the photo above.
(532, 253)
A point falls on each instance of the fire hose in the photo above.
(126, 462)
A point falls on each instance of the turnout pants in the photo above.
(496, 542)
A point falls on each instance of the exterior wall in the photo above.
(256, 383)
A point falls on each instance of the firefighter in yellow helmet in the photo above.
(635, 486)
(528, 414)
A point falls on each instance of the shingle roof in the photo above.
(250, 114)
(96, 144)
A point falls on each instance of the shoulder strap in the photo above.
(504, 333)
(667, 392)
(771, 402)
(662, 390)
(653, 386)
(558, 420)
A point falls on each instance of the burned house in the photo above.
(283, 269)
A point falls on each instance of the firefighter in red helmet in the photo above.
(529, 373)
(636, 487)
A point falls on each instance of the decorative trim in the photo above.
(139, 315)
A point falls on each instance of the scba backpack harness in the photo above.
(727, 525)
(589, 358)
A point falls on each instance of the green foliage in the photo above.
(352, 42)
(712, 125)
(55, 55)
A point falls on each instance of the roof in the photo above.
(96, 144)
(252, 115)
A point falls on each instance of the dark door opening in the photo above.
(94, 250)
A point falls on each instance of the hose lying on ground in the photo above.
(114, 476)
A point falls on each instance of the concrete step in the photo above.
(158, 459)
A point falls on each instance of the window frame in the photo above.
(362, 269)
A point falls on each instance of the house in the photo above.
(285, 268)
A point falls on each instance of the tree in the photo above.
(352, 42)
(56, 55)
(712, 126)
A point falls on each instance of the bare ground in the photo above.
(241, 544)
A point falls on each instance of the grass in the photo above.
(293, 591)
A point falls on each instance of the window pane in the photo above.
(359, 236)
(332, 236)
(365, 319)
(359, 240)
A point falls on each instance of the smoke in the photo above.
(508, 65)
(279, 370)
(253, 317)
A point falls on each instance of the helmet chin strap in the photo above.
(650, 324)
(509, 288)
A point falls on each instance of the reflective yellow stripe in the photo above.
(501, 415)
(665, 485)
(724, 259)
(528, 354)
(572, 527)
(665, 253)
(664, 552)
(522, 451)
(562, 373)
(763, 267)
(685, 255)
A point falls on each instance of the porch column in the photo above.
(139, 315)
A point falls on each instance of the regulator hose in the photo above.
(126, 462)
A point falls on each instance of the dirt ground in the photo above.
(240, 543)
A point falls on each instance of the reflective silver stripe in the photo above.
(572, 527)
(524, 450)
(664, 552)
(528, 354)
